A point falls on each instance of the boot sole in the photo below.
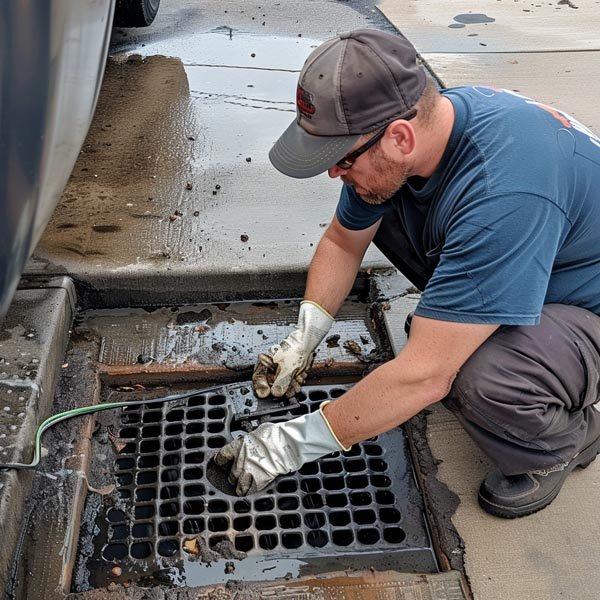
(583, 460)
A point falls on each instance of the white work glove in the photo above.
(276, 449)
(283, 369)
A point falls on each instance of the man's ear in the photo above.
(401, 135)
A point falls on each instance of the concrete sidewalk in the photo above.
(551, 52)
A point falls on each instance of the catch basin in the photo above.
(174, 518)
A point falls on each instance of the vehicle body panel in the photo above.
(52, 57)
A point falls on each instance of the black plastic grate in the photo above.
(345, 503)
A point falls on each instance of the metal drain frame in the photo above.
(358, 505)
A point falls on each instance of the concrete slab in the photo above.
(33, 338)
(496, 25)
(551, 554)
(173, 199)
(560, 79)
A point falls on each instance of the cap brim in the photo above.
(299, 154)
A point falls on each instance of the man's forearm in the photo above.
(384, 399)
(331, 275)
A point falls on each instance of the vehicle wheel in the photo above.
(135, 13)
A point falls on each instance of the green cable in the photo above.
(84, 410)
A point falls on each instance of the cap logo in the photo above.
(304, 103)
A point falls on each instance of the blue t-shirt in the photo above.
(512, 214)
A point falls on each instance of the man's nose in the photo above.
(336, 171)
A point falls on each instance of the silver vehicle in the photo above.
(52, 56)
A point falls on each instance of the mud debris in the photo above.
(199, 549)
(189, 186)
(226, 549)
(333, 341)
(352, 347)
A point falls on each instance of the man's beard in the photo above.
(386, 179)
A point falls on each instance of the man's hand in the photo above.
(283, 369)
(276, 449)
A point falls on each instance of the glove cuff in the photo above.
(331, 431)
(313, 324)
(320, 308)
(307, 438)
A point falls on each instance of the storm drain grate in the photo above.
(360, 501)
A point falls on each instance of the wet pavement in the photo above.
(173, 198)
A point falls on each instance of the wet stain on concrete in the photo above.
(106, 228)
(134, 155)
(473, 18)
(189, 317)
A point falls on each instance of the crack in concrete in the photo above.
(242, 67)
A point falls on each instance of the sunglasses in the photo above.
(348, 160)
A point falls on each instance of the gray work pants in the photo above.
(527, 395)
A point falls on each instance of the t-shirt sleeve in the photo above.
(496, 261)
(356, 214)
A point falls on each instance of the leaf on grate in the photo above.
(191, 546)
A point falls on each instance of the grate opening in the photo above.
(264, 504)
(291, 541)
(193, 526)
(268, 541)
(364, 517)
(265, 522)
(368, 535)
(167, 548)
(120, 532)
(314, 520)
(339, 518)
(286, 486)
(288, 503)
(394, 535)
(244, 543)
(242, 523)
(317, 539)
(345, 500)
(289, 521)
(389, 515)
(343, 537)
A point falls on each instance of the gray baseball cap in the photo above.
(352, 84)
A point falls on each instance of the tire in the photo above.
(135, 13)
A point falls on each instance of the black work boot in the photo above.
(511, 496)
